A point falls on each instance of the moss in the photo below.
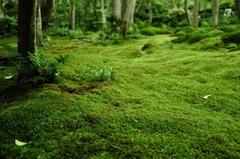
(229, 28)
(154, 30)
(232, 37)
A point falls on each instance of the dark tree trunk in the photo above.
(27, 27)
(46, 10)
(237, 5)
(95, 9)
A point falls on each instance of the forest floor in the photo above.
(166, 101)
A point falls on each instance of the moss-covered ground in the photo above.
(166, 101)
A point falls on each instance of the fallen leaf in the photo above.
(207, 96)
(20, 143)
(8, 77)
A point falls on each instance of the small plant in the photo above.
(170, 45)
(98, 74)
(38, 69)
(74, 34)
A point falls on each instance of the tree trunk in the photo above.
(104, 19)
(139, 6)
(186, 12)
(116, 15)
(195, 13)
(95, 9)
(46, 10)
(214, 13)
(150, 12)
(72, 15)
(27, 27)
(116, 9)
(128, 13)
(39, 38)
(1, 9)
(237, 5)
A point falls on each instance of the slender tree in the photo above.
(72, 15)
(237, 5)
(186, 12)
(39, 38)
(195, 13)
(27, 27)
(46, 10)
(103, 11)
(214, 13)
(150, 11)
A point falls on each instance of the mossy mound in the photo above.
(229, 28)
(154, 30)
(232, 37)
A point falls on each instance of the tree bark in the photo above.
(116, 15)
(128, 13)
(186, 12)
(116, 9)
(72, 15)
(214, 13)
(195, 13)
(237, 5)
(46, 10)
(27, 27)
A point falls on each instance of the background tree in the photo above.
(1, 9)
(215, 9)
(195, 13)
(46, 11)
(39, 37)
(72, 15)
(126, 22)
(237, 5)
(27, 27)
(186, 12)
(150, 9)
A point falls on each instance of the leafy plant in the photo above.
(98, 74)
(170, 45)
(8, 26)
(38, 69)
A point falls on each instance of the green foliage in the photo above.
(205, 24)
(8, 26)
(232, 37)
(229, 28)
(98, 74)
(39, 69)
(74, 34)
(154, 30)
(140, 24)
(225, 20)
(64, 31)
